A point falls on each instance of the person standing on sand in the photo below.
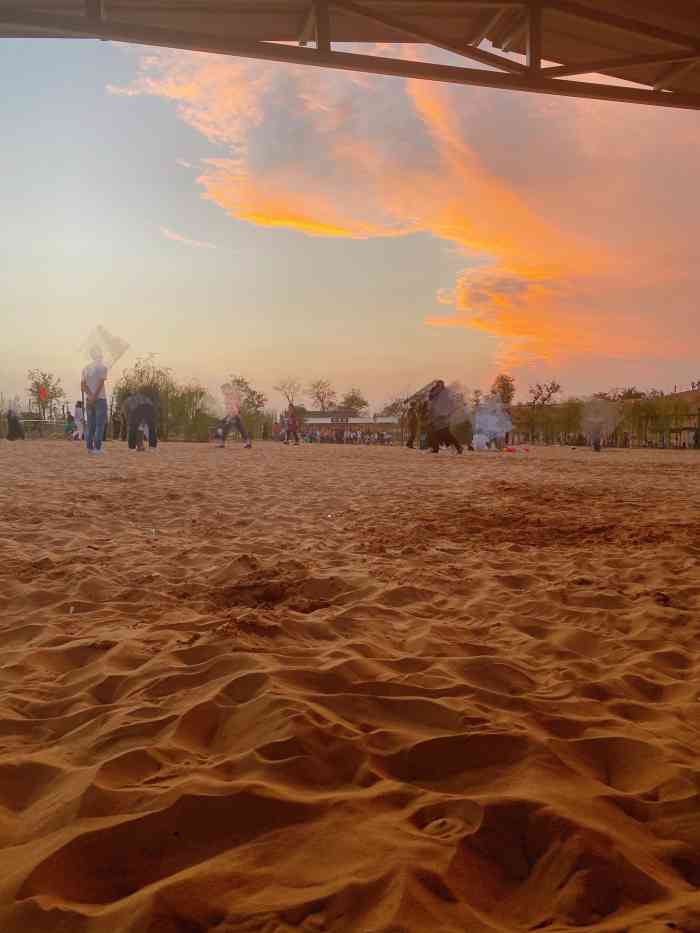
(232, 420)
(92, 384)
(440, 406)
(412, 423)
(79, 417)
(15, 431)
(292, 426)
(233, 423)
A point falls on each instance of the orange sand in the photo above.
(348, 690)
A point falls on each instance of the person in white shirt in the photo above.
(79, 418)
(93, 385)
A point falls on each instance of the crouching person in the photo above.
(141, 416)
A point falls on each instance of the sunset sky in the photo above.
(267, 220)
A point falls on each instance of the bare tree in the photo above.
(542, 393)
(394, 407)
(290, 388)
(323, 393)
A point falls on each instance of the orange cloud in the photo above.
(576, 221)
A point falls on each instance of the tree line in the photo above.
(645, 415)
(188, 412)
(323, 395)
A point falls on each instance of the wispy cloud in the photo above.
(178, 238)
(577, 219)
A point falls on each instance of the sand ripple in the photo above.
(344, 690)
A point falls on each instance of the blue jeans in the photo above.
(96, 421)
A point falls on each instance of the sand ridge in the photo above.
(348, 690)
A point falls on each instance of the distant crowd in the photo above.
(333, 436)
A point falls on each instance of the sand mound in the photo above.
(453, 699)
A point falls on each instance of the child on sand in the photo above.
(79, 418)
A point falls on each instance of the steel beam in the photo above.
(323, 26)
(516, 31)
(669, 78)
(307, 32)
(624, 23)
(81, 27)
(491, 21)
(94, 10)
(534, 37)
(614, 64)
(422, 35)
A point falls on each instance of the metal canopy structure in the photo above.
(532, 45)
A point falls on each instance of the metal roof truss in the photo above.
(661, 62)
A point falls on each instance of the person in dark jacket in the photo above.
(412, 423)
(139, 411)
(15, 431)
(292, 426)
(440, 408)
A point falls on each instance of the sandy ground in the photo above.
(348, 690)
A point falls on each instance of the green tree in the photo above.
(666, 414)
(156, 383)
(45, 391)
(503, 389)
(629, 393)
(253, 404)
(539, 418)
(252, 401)
(322, 393)
(570, 417)
(191, 411)
(354, 402)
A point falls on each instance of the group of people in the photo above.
(433, 414)
(138, 411)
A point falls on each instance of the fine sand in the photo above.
(348, 690)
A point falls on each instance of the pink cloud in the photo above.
(178, 238)
(578, 218)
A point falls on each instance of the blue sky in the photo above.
(371, 231)
(86, 184)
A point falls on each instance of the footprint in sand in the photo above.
(446, 828)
